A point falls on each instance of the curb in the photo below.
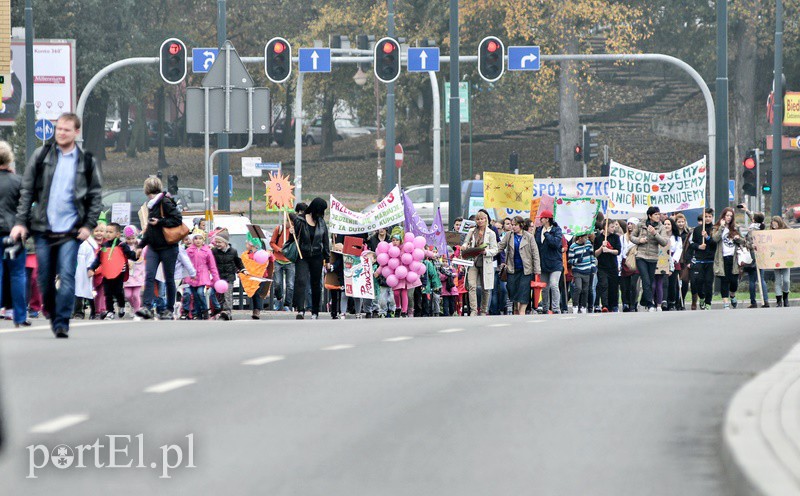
(761, 432)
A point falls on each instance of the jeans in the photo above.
(753, 280)
(499, 296)
(17, 279)
(703, 280)
(159, 301)
(386, 300)
(167, 258)
(781, 281)
(308, 274)
(551, 296)
(630, 290)
(608, 287)
(284, 273)
(647, 271)
(198, 295)
(580, 289)
(57, 258)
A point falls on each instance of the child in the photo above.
(434, 286)
(255, 289)
(206, 273)
(581, 258)
(133, 286)
(84, 285)
(401, 290)
(228, 265)
(112, 259)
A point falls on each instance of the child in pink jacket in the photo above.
(133, 286)
(203, 261)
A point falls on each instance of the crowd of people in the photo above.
(62, 258)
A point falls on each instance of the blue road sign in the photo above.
(44, 129)
(524, 58)
(269, 166)
(731, 190)
(314, 59)
(215, 186)
(423, 59)
(203, 59)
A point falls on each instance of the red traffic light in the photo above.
(492, 46)
(175, 48)
(278, 47)
(749, 163)
(578, 149)
(388, 47)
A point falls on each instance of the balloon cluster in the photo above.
(402, 263)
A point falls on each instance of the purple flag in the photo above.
(434, 235)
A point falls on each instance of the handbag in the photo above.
(289, 251)
(173, 235)
(744, 256)
(630, 258)
(504, 273)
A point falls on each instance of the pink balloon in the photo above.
(418, 254)
(414, 267)
(408, 247)
(394, 251)
(392, 281)
(383, 247)
(409, 238)
(406, 258)
(420, 242)
(383, 259)
(401, 272)
(422, 269)
(387, 271)
(261, 257)
(412, 278)
(393, 263)
(221, 286)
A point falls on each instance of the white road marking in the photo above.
(448, 331)
(397, 339)
(338, 347)
(499, 325)
(264, 360)
(71, 326)
(535, 321)
(59, 423)
(165, 387)
(568, 318)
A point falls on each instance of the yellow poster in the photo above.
(777, 249)
(507, 190)
(5, 48)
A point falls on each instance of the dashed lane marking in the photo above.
(59, 423)
(168, 386)
(338, 347)
(449, 331)
(263, 360)
(397, 339)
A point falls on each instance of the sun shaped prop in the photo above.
(279, 190)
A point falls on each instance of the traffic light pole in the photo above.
(224, 199)
(454, 195)
(777, 114)
(722, 167)
(390, 176)
(30, 108)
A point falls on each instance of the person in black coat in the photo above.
(12, 264)
(314, 245)
(161, 212)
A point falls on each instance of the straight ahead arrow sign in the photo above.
(314, 58)
(423, 57)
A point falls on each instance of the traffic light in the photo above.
(387, 60)
(749, 180)
(172, 61)
(578, 153)
(513, 162)
(172, 184)
(278, 60)
(589, 145)
(766, 188)
(491, 53)
(362, 43)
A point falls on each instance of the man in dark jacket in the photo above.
(704, 249)
(548, 239)
(60, 203)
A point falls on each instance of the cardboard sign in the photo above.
(121, 213)
(358, 278)
(507, 190)
(386, 213)
(576, 216)
(777, 249)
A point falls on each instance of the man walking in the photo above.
(60, 203)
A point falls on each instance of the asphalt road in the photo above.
(605, 404)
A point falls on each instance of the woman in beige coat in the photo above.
(522, 263)
(481, 236)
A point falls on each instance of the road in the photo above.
(604, 404)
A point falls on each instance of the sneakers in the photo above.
(299, 316)
(184, 316)
(61, 333)
(165, 315)
(575, 310)
(651, 309)
(314, 316)
(726, 306)
(702, 305)
(604, 310)
(734, 302)
(121, 314)
(109, 316)
(224, 316)
(145, 313)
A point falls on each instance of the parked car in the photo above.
(112, 129)
(278, 132)
(170, 138)
(793, 213)
(345, 129)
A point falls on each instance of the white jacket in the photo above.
(83, 285)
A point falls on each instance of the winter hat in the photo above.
(130, 231)
(397, 232)
(546, 214)
(223, 235)
(199, 234)
(254, 241)
(634, 221)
